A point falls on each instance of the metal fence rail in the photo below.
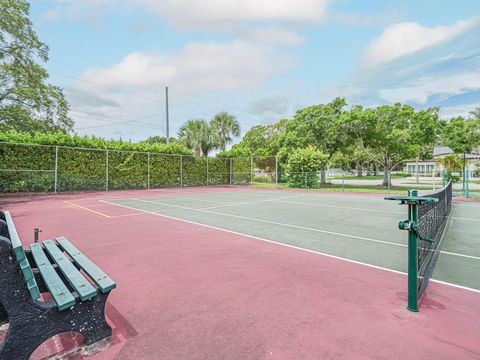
(46, 168)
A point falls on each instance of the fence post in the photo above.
(276, 169)
(343, 181)
(251, 170)
(181, 171)
(56, 170)
(466, 182)
(106, 171)
(207, 170)
(389, 179)
(148, 171)
(230, 171)
(433, 179)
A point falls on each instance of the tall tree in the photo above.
(159, 140)
(385, 134)
(425, 133)
(263, 140)
(462, 136)
(475, 114)
(198, 136)
(320, 126)
(226, 127)
(27, 101)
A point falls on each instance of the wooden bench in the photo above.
(77, 287)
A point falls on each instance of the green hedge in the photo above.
(218, 171)
(127, 170)
(81, 169)
(194, 171)
(164, 171)
(15, 158)
(84, 168)
(241, 171)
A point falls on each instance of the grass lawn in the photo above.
(374, 189)
(366, 177)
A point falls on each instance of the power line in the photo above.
(216, 102)
(223, 104)
(117, 123)
(107, 87)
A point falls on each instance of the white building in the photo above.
(433, 165)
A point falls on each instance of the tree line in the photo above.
(335, 134)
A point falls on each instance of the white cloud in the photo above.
(238, 65)
(209, 14)
(272, 36)
(266, 21)
(458, 110)
(419, 90)
(134, 87)
(277, 105)
(409, 37)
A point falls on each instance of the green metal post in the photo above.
(466, 183)
(412, 256)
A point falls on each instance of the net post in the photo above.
(343, 181)
(56, 170)
(181, 171)
(207, 170)
(230, 171)
(106, 170)
(148, 171)
(412, 256)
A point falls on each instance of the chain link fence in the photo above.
(46, 168)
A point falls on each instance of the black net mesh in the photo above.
(432, 219)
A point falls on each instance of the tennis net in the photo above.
(432, 222)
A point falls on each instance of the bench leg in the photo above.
(20, 342)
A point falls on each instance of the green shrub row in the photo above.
(30, 168)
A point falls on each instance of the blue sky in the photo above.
(260, 60)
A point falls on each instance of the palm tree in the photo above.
(225, 126)
(198, 136)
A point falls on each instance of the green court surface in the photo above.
(358, 228)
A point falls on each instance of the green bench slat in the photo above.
(21, 257)
(81, 285)
(103, 281)
(60, 293)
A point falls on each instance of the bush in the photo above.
(303, 166)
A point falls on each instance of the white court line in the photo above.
(274, 223)
(466, 204)
(251, 202)
(187, 197)
(343, 207)
(289, 246)
(466, 219)
(461, 255)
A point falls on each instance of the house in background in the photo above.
(433, 165)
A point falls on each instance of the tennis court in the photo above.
(358, 228)
(236, 272)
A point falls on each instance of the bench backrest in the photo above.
(21, 257)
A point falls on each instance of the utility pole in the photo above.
(167, 125)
